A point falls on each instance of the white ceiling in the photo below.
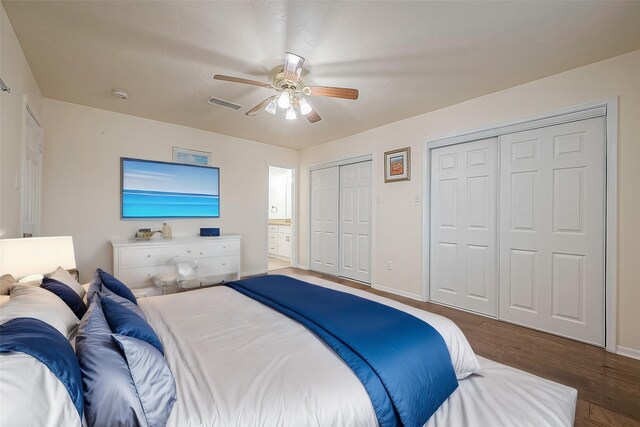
(406, 58)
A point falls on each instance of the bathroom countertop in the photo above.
(279, 222)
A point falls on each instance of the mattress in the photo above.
(240, 363)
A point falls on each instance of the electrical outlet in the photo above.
(379, 199)
(417, 198)
(389, 265)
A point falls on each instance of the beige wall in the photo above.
(83, 147)
(15, 72)
(398, 218)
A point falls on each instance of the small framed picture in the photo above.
(397, 165)
(192, 157)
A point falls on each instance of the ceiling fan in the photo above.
(291, 91)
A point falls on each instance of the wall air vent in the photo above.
(221, 102)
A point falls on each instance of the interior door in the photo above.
(355, 221)
(324, 220)
(464, 226)
(552, 210)
(31, 177)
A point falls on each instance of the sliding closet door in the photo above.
(463, 225)
(324, 220)
(552, 215)
(355, 222)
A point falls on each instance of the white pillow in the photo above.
(32, 278)
(63, 276)
(6, 282)
(32, 301)
(85, 286)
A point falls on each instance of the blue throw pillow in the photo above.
(95, 288)
(110, 395)
(66, 294)
(123, 321)
(116, 286)
(154, 381)
(46, 344)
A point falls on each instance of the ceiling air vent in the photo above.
(221, 102)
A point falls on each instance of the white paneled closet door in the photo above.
(324, 220)
(355, 222)
(464, 226)
(552, 237)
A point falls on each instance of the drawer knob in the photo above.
(224, 247)
(148, 256)
(224, 263)
(149, 275)
(200, 253)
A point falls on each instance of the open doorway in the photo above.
(280, 220)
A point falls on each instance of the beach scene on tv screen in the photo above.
(165, 190)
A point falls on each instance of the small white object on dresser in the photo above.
(136, 263)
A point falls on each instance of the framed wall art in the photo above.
(397, 165)
(191, 157)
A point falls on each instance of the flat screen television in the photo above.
(151, 189)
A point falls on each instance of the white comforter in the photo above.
(240, 363)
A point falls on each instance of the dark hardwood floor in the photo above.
(608, 384)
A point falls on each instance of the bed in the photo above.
(237, 362)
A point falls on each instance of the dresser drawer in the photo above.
(210, 249)
(273, 238)
(144, 257)
(217, 266)
(133, 277)
(273, 228)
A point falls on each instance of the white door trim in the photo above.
(341, 162)
(28, 111)
(294, 214)
(606, 107)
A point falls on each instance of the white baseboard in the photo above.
(301, 267)
(629, 352)
(252, 273)
(398, 292)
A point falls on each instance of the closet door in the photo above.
(552, 214)
(355, 222)
(324, 220)
(463, 226)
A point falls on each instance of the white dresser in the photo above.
(136, 263)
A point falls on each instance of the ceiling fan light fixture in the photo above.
(291, 114)
(305, 108)
(271, 107)
(283, 100)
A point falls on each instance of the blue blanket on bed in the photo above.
(402, 361)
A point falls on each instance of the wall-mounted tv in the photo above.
(151, 189)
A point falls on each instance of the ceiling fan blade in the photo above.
(313, 117)
(292, 66)
(333, 92)
(255, 110)
(240, 80)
